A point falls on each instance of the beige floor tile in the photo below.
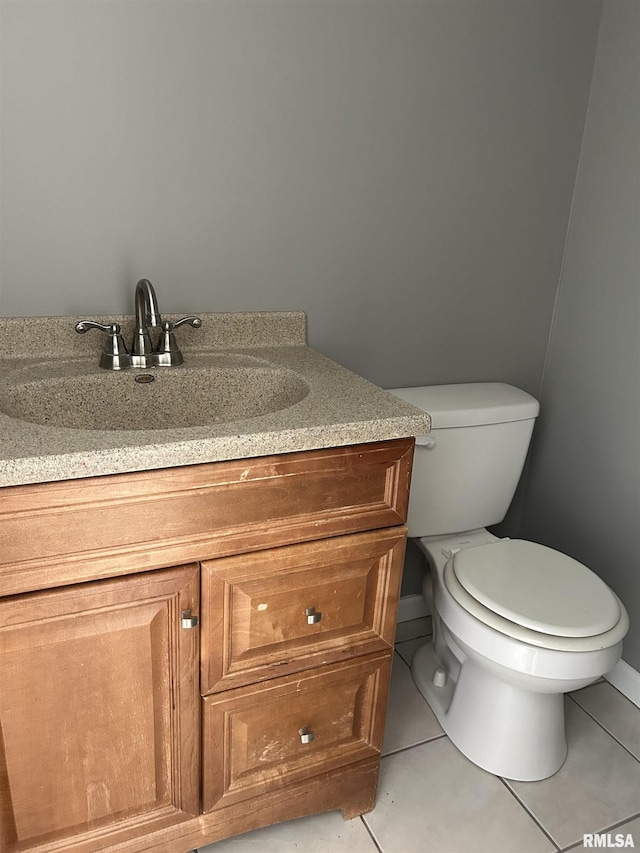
(598, 786)
(409, 719)
(614, 711)
(433, 800)
(315, 834)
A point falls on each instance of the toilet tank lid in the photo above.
(471, 404)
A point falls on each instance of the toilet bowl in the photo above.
(515, 624)
(496, 685)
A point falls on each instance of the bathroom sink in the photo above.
(210, 389)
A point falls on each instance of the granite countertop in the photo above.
(339, 408)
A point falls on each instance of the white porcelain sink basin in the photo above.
(208, 389)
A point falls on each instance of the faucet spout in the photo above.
(146, 301)
(147, 314)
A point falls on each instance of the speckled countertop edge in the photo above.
(340, 409)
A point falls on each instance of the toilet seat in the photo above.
(530, 612)
(538, 588)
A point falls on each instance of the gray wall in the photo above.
(400, 170)
(583, 488)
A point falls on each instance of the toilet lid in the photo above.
(537, 587)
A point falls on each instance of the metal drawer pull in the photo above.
(312, 616)
(188, 620)
(306, 735)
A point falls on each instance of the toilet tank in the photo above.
(465, 475)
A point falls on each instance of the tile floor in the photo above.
(433, 800)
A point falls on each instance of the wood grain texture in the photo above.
(252, 736)
(351, 789)
(99, 721)
(61, 533)
(254, 623)
(102, 726)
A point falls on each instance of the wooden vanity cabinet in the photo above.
(191, 653)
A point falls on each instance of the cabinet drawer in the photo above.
(59, 533)
(273, 612)
(261, 738)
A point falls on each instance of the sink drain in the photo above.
(144, 378)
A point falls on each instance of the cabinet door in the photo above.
(99, 711)
(287, 609)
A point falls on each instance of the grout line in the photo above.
(371, 835)
(413, 745)
(529, 812)
(604, 728)
(413, 639)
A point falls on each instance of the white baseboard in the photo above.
(411, 607)
(627, 680)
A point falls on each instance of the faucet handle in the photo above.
(83, 326)
(194, 322)
(168, 352)
(114, 355)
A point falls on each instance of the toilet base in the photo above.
(502, 728)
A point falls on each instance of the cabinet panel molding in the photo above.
(99, 724)
(260, 738)
(75, 530)
(273, 612)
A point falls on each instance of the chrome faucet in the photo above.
(165, 353)
(147, 315)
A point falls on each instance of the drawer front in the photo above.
(261, 738)
(273, 612)
(59, 533)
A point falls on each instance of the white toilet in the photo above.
(515, 624)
